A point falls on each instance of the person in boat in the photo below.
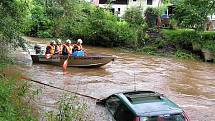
(67, 48)
(79, 44)
(59, 47)
(50, 49)
(78, 50)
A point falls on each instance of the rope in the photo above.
(41, 83)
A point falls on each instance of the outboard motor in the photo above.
(37, 49)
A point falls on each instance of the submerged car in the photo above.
(142, 106)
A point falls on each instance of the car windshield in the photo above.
(174, 117)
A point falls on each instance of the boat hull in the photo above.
(92, 60)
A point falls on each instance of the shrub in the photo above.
(151, 15)
(68, 110)
(209, 45)
(44, 34)
(207, 35)
(182, 38)
(148, 50)
(134, 16)
(126, 36)
(193, 13)
(183, 55)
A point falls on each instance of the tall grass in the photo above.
(14, 106)
(69, 109)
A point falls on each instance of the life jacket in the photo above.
(79, 47)
(59, 49)
(52, 49)
(68, 48)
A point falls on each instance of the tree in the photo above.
(134, 16)
(12, 14)
(193, 13)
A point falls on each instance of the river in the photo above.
(190, 84)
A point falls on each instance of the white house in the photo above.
(119, 6)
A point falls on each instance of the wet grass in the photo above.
(69, 109)
(14, 106)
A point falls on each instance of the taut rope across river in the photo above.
(41, 83)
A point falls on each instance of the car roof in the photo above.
(148, 103)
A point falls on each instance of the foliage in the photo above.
(44, 34)
(150, 50)
(209, 45)
(151, 15)
(134, 16)
(12, 14)
(186, 41)
(181, 38)
(13, 107)
(193, 13)
(207, 35)
(173, 23)
(184, 55)
(68, 110)
(73, 19)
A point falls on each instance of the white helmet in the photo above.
(68, 41)
(52, 42)
(79, 41)
(58, 41)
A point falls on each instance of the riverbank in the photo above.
(15, 97)
(185, 44)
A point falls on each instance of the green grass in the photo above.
(13, 105)
(69, 109)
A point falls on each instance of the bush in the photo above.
(113, 34)
(193, 13)
(68, 110)
(44, 34)
(183, 55)
(209, 45)
(151, 15)
(134, 16)
(182, 38)
(207, 35)
(148, 50)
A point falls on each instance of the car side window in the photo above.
(112, 104)
(123, 114)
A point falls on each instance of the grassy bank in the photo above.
(14, 104)
(180, 43)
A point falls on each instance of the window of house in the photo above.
(112, 10)
(134, 0)
(149, 2)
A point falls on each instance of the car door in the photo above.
(112, 103)
(118, 110)
(123, 113)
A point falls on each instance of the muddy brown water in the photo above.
(190, 84)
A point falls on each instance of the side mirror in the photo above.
(101, 102)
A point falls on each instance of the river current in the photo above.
(190, 84)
